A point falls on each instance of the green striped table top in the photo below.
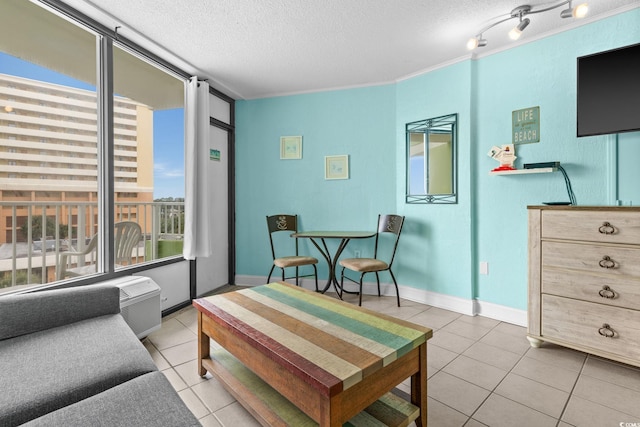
(328, 343)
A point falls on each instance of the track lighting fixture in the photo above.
(515, 33)
(580, 11)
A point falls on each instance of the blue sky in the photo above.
(168, 127)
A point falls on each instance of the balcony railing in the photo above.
(34, 234)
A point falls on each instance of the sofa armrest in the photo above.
(31, 312)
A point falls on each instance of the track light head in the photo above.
(475, 42)
(516, 32)
(580, 11)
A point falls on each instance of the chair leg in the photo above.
(378, 280)
(270, 272)
(396, 285)
(341, 282)
(282, 274)
(360, 299)
(315, 273)
(297, 277)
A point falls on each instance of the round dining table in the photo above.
(318, 238)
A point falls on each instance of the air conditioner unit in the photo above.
(139, 303)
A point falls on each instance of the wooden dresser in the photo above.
(584, 279)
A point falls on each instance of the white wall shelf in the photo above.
(523, 171)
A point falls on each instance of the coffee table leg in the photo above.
(419, 387)
(203, 345)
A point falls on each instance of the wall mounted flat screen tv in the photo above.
(609, 92)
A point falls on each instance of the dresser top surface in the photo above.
(586, 208)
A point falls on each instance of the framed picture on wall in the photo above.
(336, 167)
(290, 147)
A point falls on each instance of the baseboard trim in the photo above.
(470, 307)
(242, 280)
(435, 299)
(502, 313)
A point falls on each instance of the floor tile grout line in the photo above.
(548, 385)
(498, 385)
(172, 366)
(610, 362)
(452, 408)
(475, 342)
(575, 383)
(218, 420)
(199, 400)
(493, 391)
(598, 379)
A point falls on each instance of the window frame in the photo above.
(106, 177)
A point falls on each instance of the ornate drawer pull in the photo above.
(606, 331)
(607, 292)
(607, 262)
(606, 228)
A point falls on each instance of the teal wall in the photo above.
(542, 74)
(357, 122)
(441, 245)
(436, 247)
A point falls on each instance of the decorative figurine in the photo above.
(505, 155)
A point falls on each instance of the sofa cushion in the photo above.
(50, 369)
(148, 400)
(22, 314)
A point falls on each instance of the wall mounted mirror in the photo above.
(431, 160)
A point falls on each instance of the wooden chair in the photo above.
(289, 224)
(126, 235)
(386, 224)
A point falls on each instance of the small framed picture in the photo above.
(336, 167)
(290, 147)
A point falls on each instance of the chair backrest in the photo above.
(282, 222)
(61, 268)
(127, 235)
(92, 245)
(389, 224)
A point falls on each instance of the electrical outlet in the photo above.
(356, 254)
(484, 268)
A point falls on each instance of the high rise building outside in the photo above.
(48, 153)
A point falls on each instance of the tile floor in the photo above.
(481, 372)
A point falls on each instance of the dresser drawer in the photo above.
(616, 293)
(575, 271)
(592, 226)
(596, 326)
(609, 260)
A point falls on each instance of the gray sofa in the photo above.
(67, 358)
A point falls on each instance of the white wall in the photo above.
(173, 280)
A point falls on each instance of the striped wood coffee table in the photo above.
(329, 358)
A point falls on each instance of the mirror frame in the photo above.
(426, 126)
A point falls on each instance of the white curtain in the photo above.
(197, 239)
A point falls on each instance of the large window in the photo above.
(148, 155)
(68, 185)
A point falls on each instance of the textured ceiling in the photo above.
(259, 48)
